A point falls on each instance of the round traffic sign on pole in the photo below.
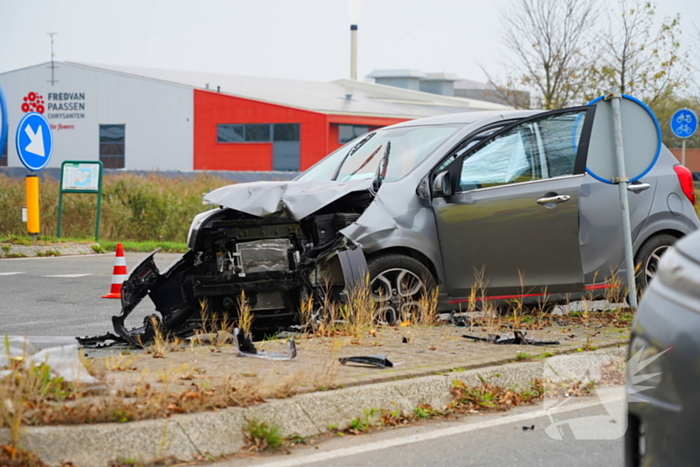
(3, 122)
(684, 123)
(34, 141)
(641, 138)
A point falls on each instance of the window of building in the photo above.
(286, 132)
(3, 155)
(283, 136)
(112, 143)
(257, 132)
(347, 133)
(230, 133)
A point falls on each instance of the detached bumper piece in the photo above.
(245, 348)
(518, 339)
(167, 294)
(377, 361)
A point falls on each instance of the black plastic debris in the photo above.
(529, 428)
(99, 342)
(518, 339)
(378, 361)
(460, 320)
(404, 340)
(245, 347)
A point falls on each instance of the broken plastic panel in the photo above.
(378, 361)
(246, 348)
(518, 339)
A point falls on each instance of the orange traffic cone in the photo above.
(118, 275)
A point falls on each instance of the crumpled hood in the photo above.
(297, 199)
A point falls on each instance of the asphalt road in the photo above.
(52, 300)
(477, 440)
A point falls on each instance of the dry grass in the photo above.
(245, 315)
(12, 456)
(134, 207)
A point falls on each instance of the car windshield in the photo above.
(401, 148)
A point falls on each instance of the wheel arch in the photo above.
(640, 242)
(410, 252)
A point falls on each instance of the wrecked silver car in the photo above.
(495, 200)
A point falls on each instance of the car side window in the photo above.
(533, 150)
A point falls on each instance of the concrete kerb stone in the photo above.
(214, 433)
(221, 432)
(288, 415)
(432, 390)
(62, 249)
(337, 408)
(100, 444)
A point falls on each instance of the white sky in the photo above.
(304, 39)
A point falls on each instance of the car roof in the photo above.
(469, 117)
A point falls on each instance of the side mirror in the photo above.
(442, 185)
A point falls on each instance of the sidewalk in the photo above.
(425, 368)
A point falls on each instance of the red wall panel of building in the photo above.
(211, 108)
(319, 132)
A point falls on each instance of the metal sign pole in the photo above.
(60, 210)
(683, 152)
(99, 205)
(622, 181)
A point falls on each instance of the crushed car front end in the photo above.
(269, 264)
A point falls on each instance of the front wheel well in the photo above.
(417, 255)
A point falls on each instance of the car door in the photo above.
(509, 220)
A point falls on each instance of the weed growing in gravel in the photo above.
(260, 436)
(245, 314)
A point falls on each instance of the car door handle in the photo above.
(637, 187)
(554, 199)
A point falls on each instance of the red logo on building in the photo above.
(33, 102)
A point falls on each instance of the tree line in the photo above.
(566, 52)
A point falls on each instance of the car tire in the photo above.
(647, 260)
(399, 284)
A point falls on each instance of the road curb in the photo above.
(58, 249)
(221, 433)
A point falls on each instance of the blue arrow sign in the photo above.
(684, 123)
(34, 141)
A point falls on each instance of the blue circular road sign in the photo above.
(684, 123)
(3, 122)
(34, 141)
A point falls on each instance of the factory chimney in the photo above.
(353, 52)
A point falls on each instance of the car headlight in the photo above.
(678, 272)
(196, 224)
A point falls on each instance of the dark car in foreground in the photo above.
(663, 378)
(499, 201)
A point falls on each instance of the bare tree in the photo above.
(547, 42)
(639, 58)
(695, 62)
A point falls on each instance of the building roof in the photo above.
(403, 73)
(341, 97)
(470, 84)
(442, 76)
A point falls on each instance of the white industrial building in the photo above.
(174, 120)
